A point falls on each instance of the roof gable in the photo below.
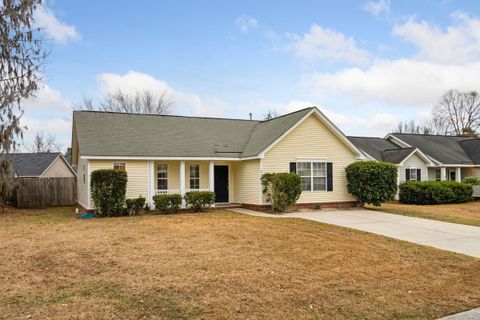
(444, 149)
(32, 164)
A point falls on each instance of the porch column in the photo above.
(458, 174)
(182, 181)
(151, 183)
(443, 174)
(211, 176)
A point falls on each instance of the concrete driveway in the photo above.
(442, 235)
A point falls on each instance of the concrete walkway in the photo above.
(467, 315)
(442, 235)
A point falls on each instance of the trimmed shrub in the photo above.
(108, 189)
(135, 206)
(167, 203)
(435, 192)
(199, 200)
(282, 189)
(472, 180)
(372, 182)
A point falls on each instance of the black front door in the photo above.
(221, 183)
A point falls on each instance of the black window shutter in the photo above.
(329, 176)
(293, 167)
(407, 174)
(419, 175)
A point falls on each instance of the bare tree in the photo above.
(408, 127)
(459, 112)
(270, 114)
(21, 58)
(43, 143)
(146, 101)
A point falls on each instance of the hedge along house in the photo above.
(425, 157)
(165, 154)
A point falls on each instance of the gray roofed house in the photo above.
(164, 154)
(45, 164)
(432, 157)
(120, 134)
(443, 149)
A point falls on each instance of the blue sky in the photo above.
(366, 64)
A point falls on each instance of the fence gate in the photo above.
(45, 192)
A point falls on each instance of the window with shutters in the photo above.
(413, 174)
(313, 175)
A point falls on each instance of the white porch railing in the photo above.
(174, 191)
(476, 191)
(169, 191)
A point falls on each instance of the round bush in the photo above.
(167, 203)
(282, 189)
(372, 182)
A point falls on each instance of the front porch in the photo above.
(182, 176)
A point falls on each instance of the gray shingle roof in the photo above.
(121, 134)
(373, 146)
(472, 148)
(32, 164)
(396, 155)
(446, 149)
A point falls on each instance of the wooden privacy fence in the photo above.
(45, 192)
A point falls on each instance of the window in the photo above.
(319, 176)
(195, 176)
(313, 175)
(452, 175)
(413, 174)
(304, 170)
(119, 166)
(438, 175)
(162, 177)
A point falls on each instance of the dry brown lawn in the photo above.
(464, 213)
(220, 265)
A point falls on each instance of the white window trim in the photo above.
(311, 161)
(124, 162)
(157, 178)
(415, 170)
(190, 176)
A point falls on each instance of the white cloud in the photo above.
(47, 98)
(327, 44)
(246, 23)
(377, 7)
(54, 28)
(373, 124)
(401, 82)
(458, 44)
(183, 103)
(58, 127)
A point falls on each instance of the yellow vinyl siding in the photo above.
(247, 182)
(313, 140)
(137, 171)
(58, 169)
(82, 183)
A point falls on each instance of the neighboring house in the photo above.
(41, 165)
(425, 157)
(174, 154)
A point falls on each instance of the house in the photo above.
(41, 165)
(165, 154)
(425, 157)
